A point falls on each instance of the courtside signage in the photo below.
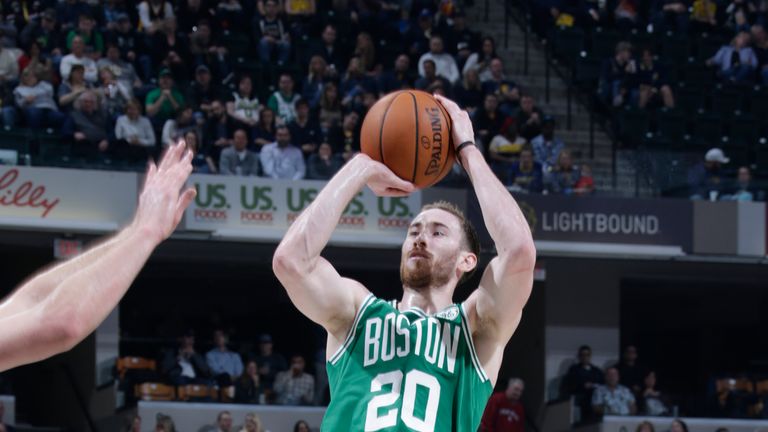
(264, 208)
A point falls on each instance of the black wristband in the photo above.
(462, 145)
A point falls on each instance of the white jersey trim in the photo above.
(473, 353)
(351, 333)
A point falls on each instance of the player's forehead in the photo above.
(436, 216)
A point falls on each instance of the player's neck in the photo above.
(430, 300)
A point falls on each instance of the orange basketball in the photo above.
(410, 132)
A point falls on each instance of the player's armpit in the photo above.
(321, 294)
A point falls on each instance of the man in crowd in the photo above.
(225, 365)
(184, 365)
(164, 102)
(283, 101)
(547, 147)
(526, 174)
(202, 91)
(294, 386)
(270, 363)
(445, 65)
(398, 78)
(505, 412)
(224, 422)
(237, 159)
(272, 35)
(631, 372)
(281, 159)
(581, 380)
(529, 118)
(304, 130)
(706, 180)
(77, 56)
(613, 75)
(88, 125)
(613, 398)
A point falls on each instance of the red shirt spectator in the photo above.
(505, 412)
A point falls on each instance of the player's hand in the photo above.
(382, 181)
(162, 201)
(462, 125)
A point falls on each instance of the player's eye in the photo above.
(438, 233)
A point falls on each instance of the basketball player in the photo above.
(57, 308)
(422, 363)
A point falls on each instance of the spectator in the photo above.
(627, 14)
(68, 11)
(301, 426)
(184, 365)
(505, 148)
(135, 424)
(152, 13)
(8, 428)
(445, 65)
(9, 69)
(216, 130)
(585, 185)
(469, 92)
(355, 84)
(323, 164)
(124, 72)
(243, 105)
(613, 75)
(496, 82)
(430, 77)
(481, 61)
(202, 92)
(191, 12)
(678, 426)
(134, 132)
(529, 118)
(131, 45)
(743, 188)
(735, 62)
(224, 422)
(547, 147)
(399, 78)
(226, 366)
(463, 52)
(563, 176)
(645, 426)
(33, 60)
(252, 422)
(300, 7)
(760, 46)
(88, 125)
(110, 13)
(294, 386)
(164, 423)
(650, 401)
(525, 175)
(283, 101)
(346, 139)
(71, 89)
(270, 362)
(613, 398)
(265, 130)
(330, 49)
(488, 120)
(581, 380)
(312, 86)
(205, 50)
(504, 411)
(281, 159)
(44, 32)
(92, 38)
(77, 56)
(668, 14)
(165, 101)
(173, 129)
(271, 35)
(170, 49)
(366, 52)
(652, 81)
(202, 163)
(705, 180)
(704, 16)
(329, 108)
(419, 36)
(113, 94)
(632, 374)
(230, 15)
(35, 100)
(248, 388)
(305, 132)
(237, 159)
(460, 33)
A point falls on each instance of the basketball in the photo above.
(410, 132)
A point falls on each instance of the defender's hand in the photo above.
(162, 201)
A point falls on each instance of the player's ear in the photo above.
(468, 262)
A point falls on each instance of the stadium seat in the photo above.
(155, 392)
(640, 39)
(568, 43)
(707, 131)
(697, 75)
(15, 139)
(689, 100)
(237, 45)
(125, 364)
(675, 48)
(633, 126)
(671, 129)
(727, 101)
(603, 43)
(761, 388)
(743, 131)
(734, 384)
(759, 104)
(586, 73)
(707, 46)
(197, 392)
(227, 394)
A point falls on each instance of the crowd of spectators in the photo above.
(708, 180)
(265, 88)
(224, 423)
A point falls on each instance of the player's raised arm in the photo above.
(59, 307)
(507, 281)
(312, 283)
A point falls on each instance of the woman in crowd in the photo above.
(329, 107)
(114, 95)
(469, 91)
(134, 132)
(243, 105)
(481, 61)
(202, 163)
(312, 86)
(248, 387)
(34, 99)
(650, 401)
(71, 89)
(301, 426)
(564, 175)
(265, 130)
(175, 128)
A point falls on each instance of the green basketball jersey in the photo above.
(406, 371)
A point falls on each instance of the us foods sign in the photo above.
(599, 220)
(266, 207)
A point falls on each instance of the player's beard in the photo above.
(426, 272)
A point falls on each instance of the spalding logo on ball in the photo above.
(410, 132)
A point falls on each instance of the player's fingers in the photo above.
(394, 192)
(448, 104)
(151, 170)
(184, 201)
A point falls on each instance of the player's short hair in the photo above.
(471, 240)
